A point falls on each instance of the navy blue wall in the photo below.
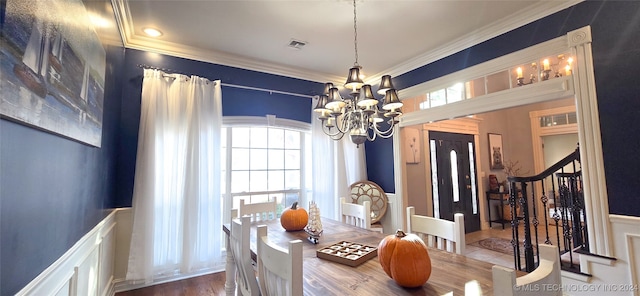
(235, 102)
(53, 190)
(615, 28)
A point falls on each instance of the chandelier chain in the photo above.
(355, 32)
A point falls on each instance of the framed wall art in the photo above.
(54, 69)
(411, 139)
(496, 152)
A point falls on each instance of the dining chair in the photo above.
(239, 244)
(259, 211)
(545, 280)
(438, 233)
(356, 214)
(279, 269)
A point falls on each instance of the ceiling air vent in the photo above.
(296, 44)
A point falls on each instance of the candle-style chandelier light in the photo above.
(358, 115)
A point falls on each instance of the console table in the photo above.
(503, 199)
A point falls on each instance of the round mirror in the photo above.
(367, 190)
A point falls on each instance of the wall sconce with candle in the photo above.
(547, 69)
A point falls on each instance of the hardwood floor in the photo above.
(210, 284)
(483, 254)
(213, 284)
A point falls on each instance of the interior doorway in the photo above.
(453, 175)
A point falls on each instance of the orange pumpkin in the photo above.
(294, 218)
(404, 257)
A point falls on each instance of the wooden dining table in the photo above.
(451, 274)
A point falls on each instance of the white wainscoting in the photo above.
(85, 269)
(611, 277)
(97, 262)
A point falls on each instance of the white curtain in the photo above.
(177, 224)
(323, 169)
(351, 166)
(336, 165)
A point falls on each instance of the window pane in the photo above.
(292, 179)
(560, 119)
(256, 198)
(239, 181)
(258, 180)
(276, 180)
(240, 159)
(308, 163)
(292, 139)
(292, 159)
(475, 88)
(573, 118)
(259, 137)
(240, 136)
(455, 93)
(290, 198)
(437, 98)
(276, 138)
(236, 200)
(497, 82)
(258, 159)
(280, 199)
(276, 159)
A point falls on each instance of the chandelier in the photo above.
(359, 115)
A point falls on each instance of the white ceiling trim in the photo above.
(133, 41)
(536, 12)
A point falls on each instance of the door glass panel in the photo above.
(472, 172)
(454, 176)
(434, 179)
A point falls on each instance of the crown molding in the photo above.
(133, 41)
(538, 11)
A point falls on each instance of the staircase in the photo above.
(550, 207)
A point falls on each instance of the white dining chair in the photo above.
(438, 233)
(356, 214)
(239, 244)
(259, 211)
(545, 280)
(279, 269)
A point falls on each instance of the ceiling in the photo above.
(393, 36)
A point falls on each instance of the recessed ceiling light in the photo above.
(152, 32)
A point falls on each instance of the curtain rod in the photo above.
(144, 66)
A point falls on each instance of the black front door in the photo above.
(453, 174)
